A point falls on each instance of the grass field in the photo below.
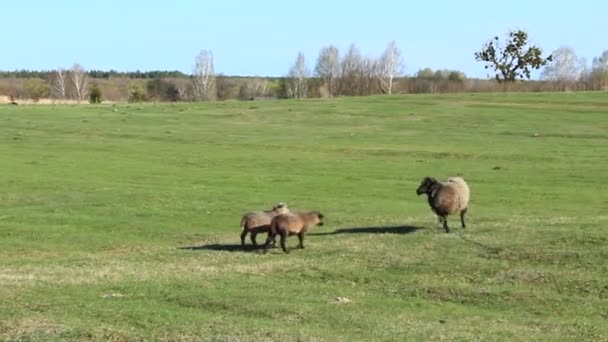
(121, 222)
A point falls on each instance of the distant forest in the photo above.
(509, 65)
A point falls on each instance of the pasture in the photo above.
(122, 222)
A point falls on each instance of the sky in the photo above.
(263, 37)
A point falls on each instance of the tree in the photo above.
(350, 71)
(36, 88)
(599, 71)
(390, 66)
(224, 87)
(513, 61)
(425, 73)
(328, 68)
(297, 84)
(369, 76)
(601, 62)
(204, 77)
(565, 67)
(95, 95)
(79, 81)
(137, 93)
(58, 84)
(159, 89)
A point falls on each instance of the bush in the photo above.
(36, 89)
(95, 94)
(162, 90)
(136, 94)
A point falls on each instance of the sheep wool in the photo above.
(446, 198)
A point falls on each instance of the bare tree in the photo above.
(79, 81)
(328, 68)
(599, 72)
(369, 76)
(350, 71)
(566, 67)
(601, 62)
(58, 84)
(204, 76)
(297, 85)
(390, 66)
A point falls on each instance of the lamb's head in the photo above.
(280, 208)
(314, 218)
(426, 185)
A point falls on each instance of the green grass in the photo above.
(97, 201)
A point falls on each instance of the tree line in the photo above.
(508, 60)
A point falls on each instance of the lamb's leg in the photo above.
(464, 211)
(284, 242)
(274, 240)
(301, 238)
(445, 224)
(243, 235)
(268, 240)
(253, 236)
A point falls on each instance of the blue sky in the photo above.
(263, 37)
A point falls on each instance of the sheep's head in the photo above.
(426, 185)
(280, 208)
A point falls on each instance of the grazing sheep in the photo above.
(293, 224)
(259, 221)
(446, 198)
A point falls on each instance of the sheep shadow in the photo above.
(218, 247)
(373, 230)
(487, 248)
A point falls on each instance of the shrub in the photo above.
(136, 93)
(95, 94)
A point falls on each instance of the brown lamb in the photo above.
(256, 222)
(293, 224)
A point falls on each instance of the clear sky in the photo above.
(263, 37)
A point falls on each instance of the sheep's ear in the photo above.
(321, 216)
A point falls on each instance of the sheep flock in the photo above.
(444, 198)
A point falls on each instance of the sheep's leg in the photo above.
(462, 217)
(284, 242)
(445, 224)
(243, 235)
(253, 236)
(301, 238)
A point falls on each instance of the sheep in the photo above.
(259, 221)
(446, 198)
(292, 224)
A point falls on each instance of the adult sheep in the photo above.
(256, 222)
(293, 224)
(446, 198)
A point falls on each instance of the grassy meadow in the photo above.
(122, 222)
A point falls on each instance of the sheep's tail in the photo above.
(464, 191)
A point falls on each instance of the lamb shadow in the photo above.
(373, 230)
(224, 247)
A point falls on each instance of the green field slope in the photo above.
(122, 222)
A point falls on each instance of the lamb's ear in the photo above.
(321, 216)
